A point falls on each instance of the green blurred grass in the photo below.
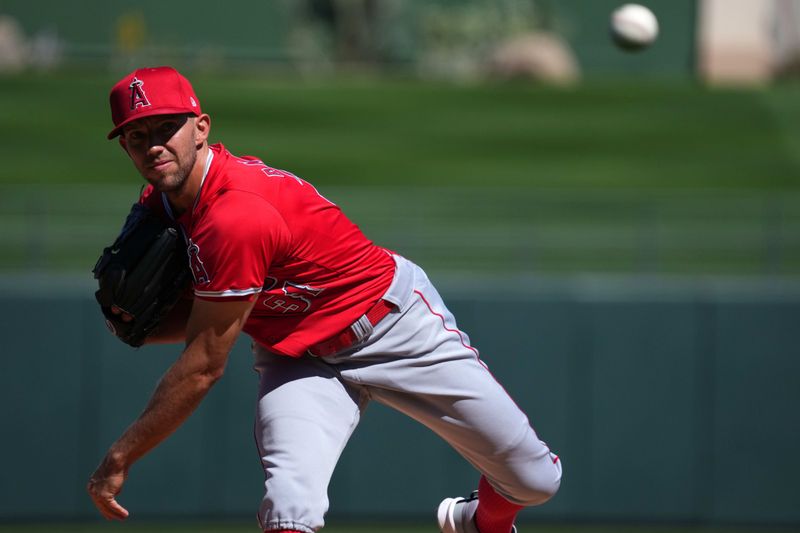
(607, 177)
(372, 132)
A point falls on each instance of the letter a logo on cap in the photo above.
(169, 94)
(138, 98)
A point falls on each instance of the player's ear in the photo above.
(202, 127)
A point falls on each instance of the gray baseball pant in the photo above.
(416, 361)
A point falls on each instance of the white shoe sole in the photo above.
(444, 515)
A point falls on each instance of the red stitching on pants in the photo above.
(444, 325)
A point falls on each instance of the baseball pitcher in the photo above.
(336, 322)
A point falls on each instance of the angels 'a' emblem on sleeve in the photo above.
(199, 272)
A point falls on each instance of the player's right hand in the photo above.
(103, 487)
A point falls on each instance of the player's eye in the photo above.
(135, 135)
(169, 127)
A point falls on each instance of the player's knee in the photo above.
(542, 491)
(540, 483)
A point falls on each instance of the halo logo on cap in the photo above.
(138, 98)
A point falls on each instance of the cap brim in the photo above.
(151, 113)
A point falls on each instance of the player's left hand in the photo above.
(104, 486)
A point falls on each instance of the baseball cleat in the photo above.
(457, 515)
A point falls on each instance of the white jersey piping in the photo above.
(229, 292)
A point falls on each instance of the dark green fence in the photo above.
(667, 400)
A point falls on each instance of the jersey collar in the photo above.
(165, 201)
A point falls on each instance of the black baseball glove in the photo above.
(143, 274)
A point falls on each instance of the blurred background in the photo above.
(619, 233)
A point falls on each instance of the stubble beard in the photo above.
(175, 181)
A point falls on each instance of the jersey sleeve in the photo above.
(230, 252)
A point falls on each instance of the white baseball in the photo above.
(633, 27)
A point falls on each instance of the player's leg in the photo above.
(474, 414)
(305, 415)
(446, 387)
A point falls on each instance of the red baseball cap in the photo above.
(151, 91)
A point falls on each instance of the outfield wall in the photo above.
(667, 400)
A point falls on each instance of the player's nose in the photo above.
(154, 150)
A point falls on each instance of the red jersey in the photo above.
(256, 231)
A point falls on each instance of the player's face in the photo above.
(163, 148)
